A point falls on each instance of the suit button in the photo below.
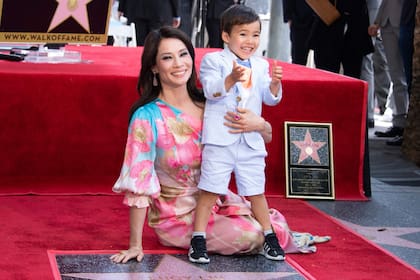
(217, 94)
(238, 98)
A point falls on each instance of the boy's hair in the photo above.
(237, 15)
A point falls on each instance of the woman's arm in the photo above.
(135, 250)
(245, 120)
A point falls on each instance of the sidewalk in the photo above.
(391, 218)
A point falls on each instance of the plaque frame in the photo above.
(309, 160)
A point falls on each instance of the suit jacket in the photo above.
(408, 12)
(216, 7)
(213, 70)
(390, 10)
(156, 10)
(349, 32)
(299, 12)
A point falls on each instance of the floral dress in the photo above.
(161, 170)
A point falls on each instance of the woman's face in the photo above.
(173, 63)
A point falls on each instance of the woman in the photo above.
(162, 160)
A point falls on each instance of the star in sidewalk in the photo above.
(308, 148)
(71, 8)
(172, 268)
(386, 235)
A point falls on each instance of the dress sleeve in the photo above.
(138, 177)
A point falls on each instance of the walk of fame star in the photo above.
(308, 148)
(71, 8)
(172, 268)
(158, 266)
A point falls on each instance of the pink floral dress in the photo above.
(161, 170)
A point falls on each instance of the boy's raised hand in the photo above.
(276, 73)
(237, 75)
(276, 76)
(238, 72)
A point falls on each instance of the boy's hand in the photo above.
(237, 75)
(238, 72)
(276, 73)
(276, 76)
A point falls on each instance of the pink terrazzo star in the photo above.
(308, 148)
(71, 8)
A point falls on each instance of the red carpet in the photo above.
(32, 225)
(68, 120)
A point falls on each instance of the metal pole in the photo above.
(279, 38)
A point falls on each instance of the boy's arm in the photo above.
(212, 78)
(272, 89)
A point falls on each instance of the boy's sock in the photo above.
(267, 232)
(199, 233)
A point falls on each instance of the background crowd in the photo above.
(371, 40)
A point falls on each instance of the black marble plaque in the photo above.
(309, 160)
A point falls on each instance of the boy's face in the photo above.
(244, 39)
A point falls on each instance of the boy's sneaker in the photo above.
(198, 250)
(272, 249)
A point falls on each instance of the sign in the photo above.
(309, 160)
(54, 21)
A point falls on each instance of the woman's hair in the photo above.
(237, 15)
(145, 87)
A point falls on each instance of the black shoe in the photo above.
(391, 132)
(198, 250)
(371, 123)
(271, 248)
(396, 141)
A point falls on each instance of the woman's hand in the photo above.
(126, 255)
(137, 219)
(244, 120)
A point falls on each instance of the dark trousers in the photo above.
(214, 33)
(299, 44)
(331, 59)
(143, 27)
(406, 42)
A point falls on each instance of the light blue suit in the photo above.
(224, 152)
(213, 71)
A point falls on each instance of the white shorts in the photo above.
(218, 163)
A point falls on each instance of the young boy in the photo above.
(235, 78)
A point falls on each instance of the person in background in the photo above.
(382, 79)
(185, 12)
(345, 42)
(161, 167)
(406, 42)
(235, 78)
(148, 15)
(214, 10)
(388, 22)
(367, 73)
(300, 18)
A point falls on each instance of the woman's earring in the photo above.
(155, 82)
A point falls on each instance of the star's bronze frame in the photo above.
(309, 160)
